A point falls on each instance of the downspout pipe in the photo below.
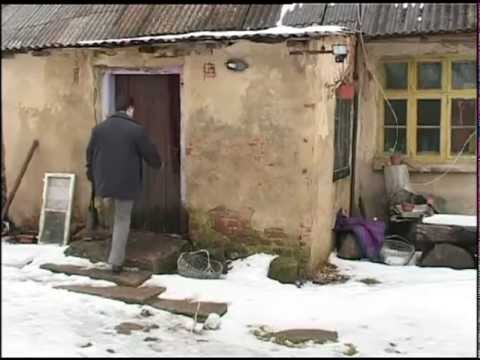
(355, 124)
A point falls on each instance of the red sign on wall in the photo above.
(209, 70)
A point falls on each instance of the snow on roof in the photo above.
(277, 30)
(285, 8)
(446, 219)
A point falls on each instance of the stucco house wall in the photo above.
(257, 145)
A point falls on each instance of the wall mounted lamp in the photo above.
(236, 65)
(340, 52)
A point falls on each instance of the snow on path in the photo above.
(423, 312)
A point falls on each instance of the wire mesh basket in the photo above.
(198, 265)
(396, 251)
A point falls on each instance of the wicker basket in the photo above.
(198, 265)
(395, 251)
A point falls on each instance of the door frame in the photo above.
(108, 106)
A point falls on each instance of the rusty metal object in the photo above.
(19, 179)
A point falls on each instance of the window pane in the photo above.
(464, 112)
(459, 138)
(428, 112)
(428, 140)
(429, 75)
(400, 109)
(463, 75)
(396, 75)
(389, 140)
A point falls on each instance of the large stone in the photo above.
(447, 255)
(125, 278)
(189, 308)
(348, 247)
(157, 253)
(297, 336)
(284, 269)
(95, 251)
(129, 295)
(464, 236)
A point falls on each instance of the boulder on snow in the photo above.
(447, 255)
(284, 269)
(348, 247)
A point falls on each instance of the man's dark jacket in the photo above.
(115, 156)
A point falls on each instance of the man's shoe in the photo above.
(117, 269)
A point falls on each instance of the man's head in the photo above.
(126, 105)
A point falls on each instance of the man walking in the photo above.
(115, 157)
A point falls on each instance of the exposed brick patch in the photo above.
(277, 236)
(230, 222)
(229, 225)
(228, 234)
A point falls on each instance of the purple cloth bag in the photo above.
(368, 233)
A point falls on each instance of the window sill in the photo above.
(463, 167)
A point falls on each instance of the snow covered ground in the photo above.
(412, 312)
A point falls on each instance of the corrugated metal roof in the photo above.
(262, 16)
(40, 26)
(342, 15)
(305, 14)
(411, 19)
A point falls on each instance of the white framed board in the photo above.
(56, 211)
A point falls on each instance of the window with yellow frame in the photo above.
(434, 100)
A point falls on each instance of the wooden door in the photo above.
(157, 108)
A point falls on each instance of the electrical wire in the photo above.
(393, 112)
(451, 165)
(362, 43)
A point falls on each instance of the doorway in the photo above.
(157, 107)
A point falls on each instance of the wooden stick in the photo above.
(18, 180)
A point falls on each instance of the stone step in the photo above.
(125, 278)
(189, 308)
(130, 295)
(157, 253)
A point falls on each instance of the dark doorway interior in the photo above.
(157, 108)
